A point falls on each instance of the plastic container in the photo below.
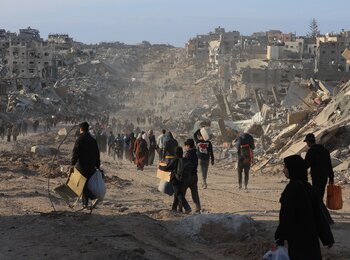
(334, 197)
(166, 187)
(205, 132)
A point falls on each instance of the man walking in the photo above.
(152, 147)
(86, 158)
(160, 145)
(318, 160)
(190, 180)
(110, 141)
(245, 145)
(205, 153)
(118, 146)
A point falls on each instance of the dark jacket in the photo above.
(301, 221)
(319, 160)
(86, 155)
(191, 155)
(152, 142)
(110, 140)
(170, 145)
(204, 148)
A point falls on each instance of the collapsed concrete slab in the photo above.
(344, 166)
(286, 132)
(297, 146)
(297, 117)
(296, 95)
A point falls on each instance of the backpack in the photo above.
(246, 154)
(184, 168)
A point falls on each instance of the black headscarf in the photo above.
(179, 152)
(296, 167)
(170, 134)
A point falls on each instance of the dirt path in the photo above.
(134, 221)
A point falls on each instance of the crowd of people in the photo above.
(13, 130)
(303, 219)
(302, 215)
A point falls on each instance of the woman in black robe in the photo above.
(301, 222)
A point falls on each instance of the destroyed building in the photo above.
(30, 60)
(277, 35)
(198, 48)
(346, 55)
(61, 41)
(28, 56)
(58, 75)
(329, 62)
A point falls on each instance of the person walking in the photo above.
(176, 179)
(118, 147)
(15, 132)
(190, 180)
(141, 152)
(103, 141)
(9, 132)
(301, 221)
(245, 146)
(130, 141)
(110, 141)
(125, 146)
(152, 147)
(160, 145)
(2, 131)
(146, 138)
(35, 125)
(318, 160)
(24, 128)
(205, 154)
(86, 158)
(170, 144)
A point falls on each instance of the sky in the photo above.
(169, 21)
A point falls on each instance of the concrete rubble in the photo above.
(278, 101)
(87, 79)
(279, 128)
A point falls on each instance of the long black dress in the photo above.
(301, 222)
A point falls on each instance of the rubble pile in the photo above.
(279, 128)
(88, 79)
(284, 129)
(34, 156)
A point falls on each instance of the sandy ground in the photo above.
(134, 221)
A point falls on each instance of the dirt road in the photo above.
(134, 221)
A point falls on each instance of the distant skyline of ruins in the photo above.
(169, 22)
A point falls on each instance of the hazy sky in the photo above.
(169, 21)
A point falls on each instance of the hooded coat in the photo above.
(301, 222)
(170, 145)
(86, 156)
(141, 152)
